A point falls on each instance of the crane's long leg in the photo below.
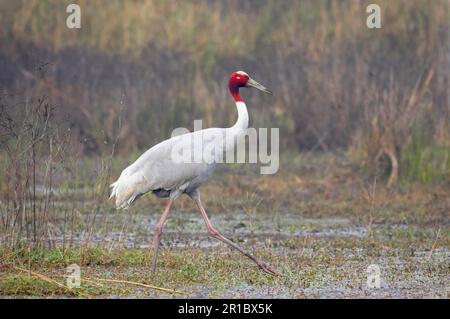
(216, 234)
(158, 231)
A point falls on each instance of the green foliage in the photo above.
(21, 286)
(423, 160)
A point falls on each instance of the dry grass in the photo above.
(292, 220)
(332, 77)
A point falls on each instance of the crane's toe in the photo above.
(264, 267)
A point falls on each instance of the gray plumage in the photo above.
(158, 170)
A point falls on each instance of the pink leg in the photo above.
(215, 233)
(158, 232)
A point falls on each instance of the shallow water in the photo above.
(405, 272)
(188, 229)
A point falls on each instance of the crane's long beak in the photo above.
(252, 83)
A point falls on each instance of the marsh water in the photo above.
(334, 254)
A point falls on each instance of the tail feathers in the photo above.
(126, 190)
(113, 191)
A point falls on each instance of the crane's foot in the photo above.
(264, 267)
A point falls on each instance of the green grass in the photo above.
(23, 286)
(214, 272)
(423, 161)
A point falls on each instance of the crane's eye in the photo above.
(238, 77)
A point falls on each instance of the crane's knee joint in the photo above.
(158, 229)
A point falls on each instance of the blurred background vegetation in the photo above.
(138, 69)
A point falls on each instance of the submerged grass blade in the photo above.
(171, 291)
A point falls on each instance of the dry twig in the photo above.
(171, 291)
(52, 281)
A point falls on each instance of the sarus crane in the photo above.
(159, 172)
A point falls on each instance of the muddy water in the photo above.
(188, 229)
(405, 271)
